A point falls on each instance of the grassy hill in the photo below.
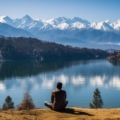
(68, 114)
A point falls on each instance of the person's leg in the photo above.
(48, 104)
(66, 102)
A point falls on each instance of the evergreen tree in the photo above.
(8, 104)
(97, 100)
(27, 103)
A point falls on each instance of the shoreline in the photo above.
(70, 113)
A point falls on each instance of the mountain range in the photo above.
(75, 32)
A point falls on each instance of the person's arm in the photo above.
(52, 98)
(65, 95)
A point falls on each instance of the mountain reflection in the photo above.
(11, 69)
(37, 74)
(115, 63)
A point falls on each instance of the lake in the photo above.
(79, 78)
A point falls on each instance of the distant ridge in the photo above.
(9, 31)
(75, 32)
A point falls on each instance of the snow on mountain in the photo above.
(24, 21)
(56, 21)
(2, 19)
(62, 29)
(63, 26)
(116, 25)
(6, 19)
(101, 26)
(19, 22)
(108, 22)
(65, 23)
(46, 27)
(36, 24)
(78, 25)
(27, 23)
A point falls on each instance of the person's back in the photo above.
(58, 99)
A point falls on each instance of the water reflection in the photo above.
(37, 74)
(115, 63)
(79, 78)
(11, 69)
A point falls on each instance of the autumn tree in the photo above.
(27, 103)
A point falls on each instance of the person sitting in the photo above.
(58, 99)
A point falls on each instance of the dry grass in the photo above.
(68, 114)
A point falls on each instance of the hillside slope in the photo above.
(31, 48)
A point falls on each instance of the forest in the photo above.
(21, 48)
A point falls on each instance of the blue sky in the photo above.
(92, 10)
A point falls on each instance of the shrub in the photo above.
(27, 103)
(8, 104)
(97, 100)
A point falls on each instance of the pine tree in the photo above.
(97, 100)
(27, 103)
(8, 104)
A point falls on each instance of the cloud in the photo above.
(50, 82)
(98, 80)
(2, 86)
(115, 82)
(79, 80)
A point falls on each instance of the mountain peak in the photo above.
(77, 19)
(108, 21)
(59, 22)
(27, 17)
(5, 19)
(102, 26)
(6, 16)
(26, 20)
(2, 19)
(61, 18)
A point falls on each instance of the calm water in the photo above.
(79, 79)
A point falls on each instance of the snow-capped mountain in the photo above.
(79, 25)
(23, 22)
(62, 30)
(6, 19)
(116, 25)
(102, 26)
(61, 23)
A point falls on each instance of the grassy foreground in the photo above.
(68, 114)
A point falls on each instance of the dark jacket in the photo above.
(58, 98)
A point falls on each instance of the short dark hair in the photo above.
(59, 85)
